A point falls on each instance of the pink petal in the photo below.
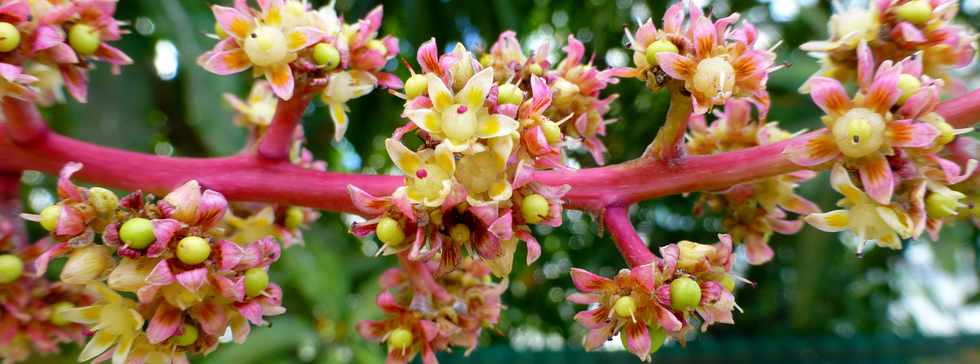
(829, 95)
(876, 176)
(907, 33)
(367, 203)
(211, 317)
(428, 57)
(76, 80)
(193, 279)
(67, 189)
(675, 65)
(812, 149)
(212, 208)
(703, 35)
(865, 66)
(757, 250)
(533, 248)
(231, 255)
(164, 324)
(502, 227)
(280, 77)
(112, 55)
(227, 62)
(57, 250)
(161, 275)
(586, 281)
(910, 134)
(638, 339)
(232, 21)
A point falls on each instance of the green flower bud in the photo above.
(416, 86)
(916, 12)
(137, 233)
(58, 313)
(685, 294)
(103, 200)
(193, 250)
(658, 47)
(50, 216)
(256, 280)
(908, 84)
(294, 217)
(509, 94)
(389, 232)
(326, 55)
(11, 267)
(399, 339)
(9, 37)
(188, 337)
(624, 307)
(943, 204)
(84, 39)
(534, 208)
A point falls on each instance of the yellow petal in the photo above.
(476, 89)
(829, 221)
(405, 159)
(97, 345)
(438, 92)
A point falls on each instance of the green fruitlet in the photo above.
(416, 86)
(58, 313)
(294, 217)
(534, 208)
(509, 94)
(137, 233)
(658, 47)
(916, 12)
(389, 232)
(50, 216)
(256, 280)
(326, 55)
(188, 337)
(84, 39)
(624, 307)
(9, 37)
(551, 130)
(399, 339)
(685, 294)
(193, 250)
(11, 267)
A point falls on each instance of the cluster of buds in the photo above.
(751, 211)
(711, 61)
(890, 136)
(894, 30)
(47, 44)
(192, 277)
(425, 316)
(650, 302)
(295, 47)
(31, 307)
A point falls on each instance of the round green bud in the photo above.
(58, 313)
(377, 45)
(509, 94)
(50, 216)
(193, 250)
(11, 267)
(294, 217)
(84, 39)
(416, 86)
(9, 37)
(188, 337)
(658, 47)
(326, 55)
(909, 85)
(399, 339)
(389, 232)
(942, 205)
(624, 307)
(256, 280)
(916, 12)
(103, 200)
(551, 130)
(534, 208)
(536, 69)
(137, 233)
(685, 294)
(460, 233)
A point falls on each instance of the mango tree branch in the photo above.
(278, 139)
(631, 247)
(24, 122)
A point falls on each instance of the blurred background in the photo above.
(816, 302)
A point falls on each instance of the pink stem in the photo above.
(422, 278)
(963, 111)
(630, 246)
(10, 209)
(24, 122)
(278, 139)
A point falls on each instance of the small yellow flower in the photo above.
(428, 173)
(114, 320)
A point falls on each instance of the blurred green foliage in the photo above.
(814, 287)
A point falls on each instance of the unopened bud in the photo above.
(657, 47)
(389, 232)
(87, 264)
(916, 12)
(691, 254)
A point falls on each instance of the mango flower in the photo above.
(862, 215)
(15, 83)
(509, 62)
(648, 41)
(459, 120)
(341, 88)
(260, 40)
(428, 174)
(722, 63)
(114, 320)
(862, 131)
(257, 110)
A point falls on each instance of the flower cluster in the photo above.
(422, 317)
(295, 46)
(192, 278)
(31, 307)
(650, 302)
(45, 44)
(889, 135)
(894, 30)
(713, 61)
(751, 211)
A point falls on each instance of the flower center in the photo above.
(477, 172)
(117, 319)
(859, 132)
(459, 123)
(854, 21)
(266, 45)
(429, 180)
(714, 77)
